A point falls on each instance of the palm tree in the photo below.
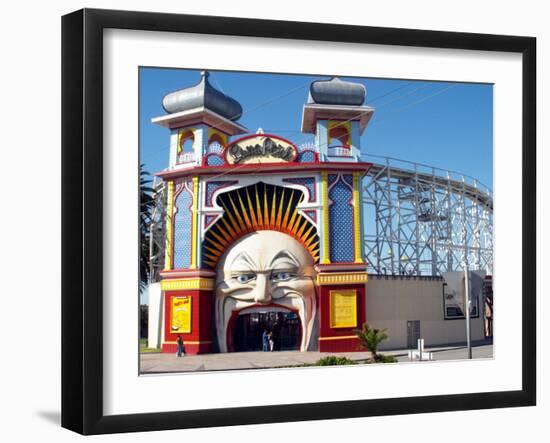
(370, 339)
(146, 206)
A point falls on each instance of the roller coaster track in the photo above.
(422, 220)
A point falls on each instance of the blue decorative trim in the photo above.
(332, 178)
(214, 160)
(348, 178)
(182, 230)
(212, 187)
(341, 223)
(306, 157)
(308, 182)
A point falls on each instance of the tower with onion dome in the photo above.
(335, 112)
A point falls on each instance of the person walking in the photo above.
(271, 341)
(265, 341)
(179, 342)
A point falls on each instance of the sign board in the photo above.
(343, 308)
(181, 315)
(260, 149)
(453, 294)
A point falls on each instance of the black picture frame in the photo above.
(82, 189)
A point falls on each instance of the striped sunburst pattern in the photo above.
(258, 207)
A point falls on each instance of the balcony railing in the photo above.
(186, 157)
(339, 151)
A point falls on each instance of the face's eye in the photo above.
(282, 276)
(245, 278)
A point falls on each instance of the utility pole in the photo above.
(467, 308)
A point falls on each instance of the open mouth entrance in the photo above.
(285, 327)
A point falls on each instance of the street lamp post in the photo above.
(467, 309)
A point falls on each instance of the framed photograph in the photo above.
(259, 217)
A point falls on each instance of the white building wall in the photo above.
(321, 138)
(355, 139)
(156, 314)
(391, 302)
(174, 134)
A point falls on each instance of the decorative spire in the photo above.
(203, 94)
(337, 92)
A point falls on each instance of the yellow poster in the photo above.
(343, 308)
(181, 314)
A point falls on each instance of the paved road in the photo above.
(158, 363)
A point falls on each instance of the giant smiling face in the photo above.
(266, 270)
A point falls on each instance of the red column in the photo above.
(199, 339)
(340, 339)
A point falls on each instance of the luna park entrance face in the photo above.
(286, 330)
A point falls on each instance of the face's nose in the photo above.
(262, 292)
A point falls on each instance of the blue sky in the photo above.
(447, 125)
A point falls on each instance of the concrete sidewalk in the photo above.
(151, 363)
(155, 363)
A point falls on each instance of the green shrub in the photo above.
(333, 360)
(370, 338)
(387, 359)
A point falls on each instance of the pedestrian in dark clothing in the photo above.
(179, 341)
(265, 341)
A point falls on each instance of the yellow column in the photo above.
(194, 223)
(357, 216)
(325, 258)
(169, 226)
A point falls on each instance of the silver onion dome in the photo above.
(202, 94)
(337, 92)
